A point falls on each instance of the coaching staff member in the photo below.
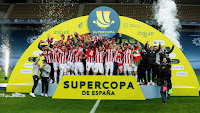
(45, 70)
(36, 68)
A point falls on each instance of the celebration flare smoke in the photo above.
(5, 49)
(165, 14)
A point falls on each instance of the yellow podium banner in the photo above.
(99, 87)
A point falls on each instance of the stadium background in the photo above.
(25, 20)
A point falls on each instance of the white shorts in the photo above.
(70, 65)
(134, 67)
(109, 66)
(79, 67)
(55, 65)
(127, 67)
(98, 67)
(89, 66)
(63, 68)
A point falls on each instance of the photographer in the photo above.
(164, 75)
(165, 53)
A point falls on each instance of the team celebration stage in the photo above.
(104, 21)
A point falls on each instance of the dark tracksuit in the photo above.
(163, 77)
(151, 62)
(142, 67)
(165, 54)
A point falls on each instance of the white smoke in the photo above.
(166, 16)
(5, 49)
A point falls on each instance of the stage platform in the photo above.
(149, 91)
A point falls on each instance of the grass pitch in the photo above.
(2, 77)
(49, 105)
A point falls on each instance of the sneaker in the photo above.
(42, 94)
(148, 83)
(153, 83)
(55, 82)
(46, 95)
(32, 94)
(51, 81)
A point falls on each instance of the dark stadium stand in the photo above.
(136, 11)
(194, 2)
(186, 12)
(3, 9)
(70, 10)
(43, 11)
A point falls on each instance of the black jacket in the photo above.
(151, 54)
(165, 71)
(163, 54)
(144, 59)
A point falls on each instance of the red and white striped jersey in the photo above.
(99, 56)
(110, 55)
(118, 57)
(70, 55)
(47, 56)
(127, 56)
(55, 55)
(90, 56)
(78, 55)
(62, 56)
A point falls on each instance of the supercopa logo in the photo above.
(103, 21)
(97, 87)
(196, 41)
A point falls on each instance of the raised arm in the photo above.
(145, 47)
(37, 60)
(171, 49)
(158, 48)
(120, 38)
